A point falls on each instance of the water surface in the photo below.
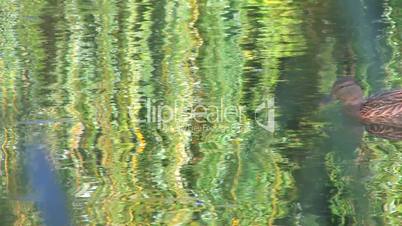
(97, 97)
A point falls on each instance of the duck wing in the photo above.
(395, 121)
(385, 131)
(384, 105)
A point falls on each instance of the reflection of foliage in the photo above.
(271, 30)
(394, 16)
(95, 62)
(239, 175)
(103, 165)
(340, 203)
(385, 186)
(11, 79)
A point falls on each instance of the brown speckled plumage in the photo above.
(383, 106)
(385, 131)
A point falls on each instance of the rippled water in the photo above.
(195, 112)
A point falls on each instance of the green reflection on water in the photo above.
(80, 78)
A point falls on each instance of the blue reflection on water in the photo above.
(47, 191)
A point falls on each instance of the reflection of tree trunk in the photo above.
(298, 100)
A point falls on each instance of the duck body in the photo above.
(385, 106)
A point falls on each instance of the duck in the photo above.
(380, 109)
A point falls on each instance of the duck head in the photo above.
(347, 91)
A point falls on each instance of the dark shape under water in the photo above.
(47, 191)
(381, 114)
